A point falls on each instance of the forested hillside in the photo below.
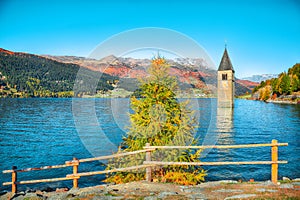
(27, 75)
(285, 84)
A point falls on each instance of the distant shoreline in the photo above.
(283, 102)
(280, 100)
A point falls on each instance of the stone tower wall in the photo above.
(225, 88)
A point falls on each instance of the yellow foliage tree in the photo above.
(160, 119)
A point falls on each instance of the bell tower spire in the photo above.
(225, 81)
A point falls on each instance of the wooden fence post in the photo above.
(14, 180)
(274, 168)
(75, 171)
(148, 169)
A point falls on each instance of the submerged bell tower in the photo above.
(225, 82)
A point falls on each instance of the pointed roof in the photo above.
(225, 63)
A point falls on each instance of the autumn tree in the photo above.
(160, 119)
(265, 93)
(295, 83)
(285, 83)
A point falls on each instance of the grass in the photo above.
(245, 96)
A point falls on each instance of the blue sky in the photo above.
(262, 36)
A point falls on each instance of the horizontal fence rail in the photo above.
(148, 164)
(215, 163)
(216, 146)
(115, 155)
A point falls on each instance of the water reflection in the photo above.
(224, 124)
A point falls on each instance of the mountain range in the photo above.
(191, 72)
(58, 73)
(260, 78)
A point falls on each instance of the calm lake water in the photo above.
(40, 132)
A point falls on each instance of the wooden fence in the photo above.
(148, 163)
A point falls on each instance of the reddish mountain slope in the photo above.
(247, 83)
(6, 51)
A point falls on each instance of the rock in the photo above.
(48, 189)
(296, 183)
(209, 184)
(31, 196)
(228, 181)
(113, 198)
(287, 186)
(39, 192)
(296, 179)
(107, 198)
(196, 196)
(286, 179)
(18, 198)
(30, 191)
(74, 191)
(60, 196)
(3, 192)
(21, 193)
(6, 196)
(192, 190)
(241, 196)
(184, 186)
(265, 190)
(164, 194)
(269, 190)
(62, 189)
(89, 191)
(98, 198)
(266, 183)
(151, 198)
(228, 190)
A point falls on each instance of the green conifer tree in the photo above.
(160, 119)
(285, 83)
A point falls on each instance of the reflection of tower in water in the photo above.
(225, 125)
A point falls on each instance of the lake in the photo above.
(38, 132)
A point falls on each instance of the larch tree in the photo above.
(160, 119)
